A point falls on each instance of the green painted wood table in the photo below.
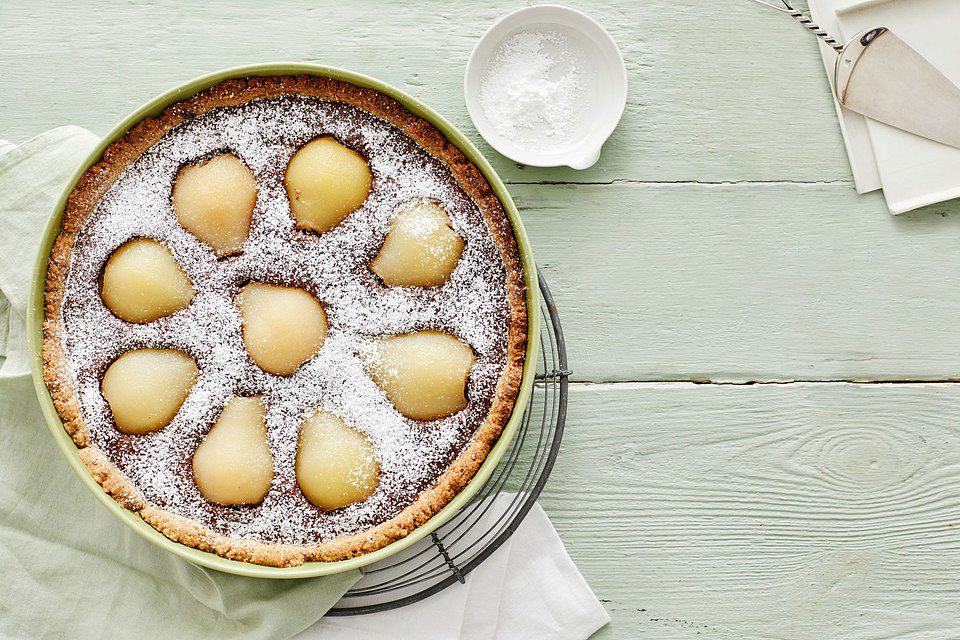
(764, 429)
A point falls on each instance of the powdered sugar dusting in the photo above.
(332, 266)
(533, 87)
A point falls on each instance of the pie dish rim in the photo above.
(35, 319)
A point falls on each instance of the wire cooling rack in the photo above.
(476, 531)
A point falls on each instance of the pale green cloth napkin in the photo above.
(68, 568)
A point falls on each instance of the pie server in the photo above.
(882, 77)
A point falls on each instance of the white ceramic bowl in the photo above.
(600, 105)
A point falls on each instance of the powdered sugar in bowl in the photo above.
(546, 86)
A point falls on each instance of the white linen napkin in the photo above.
(529, 588)
(912, 170)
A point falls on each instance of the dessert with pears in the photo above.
(285, 320)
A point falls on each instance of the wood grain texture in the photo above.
(711, 97)
(801, 511)
(747, 282)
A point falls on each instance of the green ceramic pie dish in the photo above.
(35, 316)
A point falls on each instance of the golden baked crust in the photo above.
(80, 206)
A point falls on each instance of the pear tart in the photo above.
(285, 320)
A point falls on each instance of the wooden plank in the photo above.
(731, 92)
(747, 282)
(793, 512)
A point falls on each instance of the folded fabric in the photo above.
(529, 588)
(70, 569)
(913, 171)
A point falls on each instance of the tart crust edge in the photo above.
(123, 152)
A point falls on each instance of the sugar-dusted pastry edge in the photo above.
(80, 205)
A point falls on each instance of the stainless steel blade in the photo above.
(884, 78)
